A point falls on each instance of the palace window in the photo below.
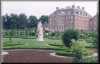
(80, 13)
(86, 14)
(68, 12)
(77, 12)
(71, 12)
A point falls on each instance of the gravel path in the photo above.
(35, 56)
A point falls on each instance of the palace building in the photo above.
(70, 17)
(93, 24)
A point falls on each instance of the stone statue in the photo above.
(40, 31)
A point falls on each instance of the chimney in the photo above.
(78, 7)
(73, 6)
(57, 8)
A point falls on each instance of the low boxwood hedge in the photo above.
(64, 53)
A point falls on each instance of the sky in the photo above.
(38, 8)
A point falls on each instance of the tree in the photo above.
(22, 21)
(69, 35)
(14, 20)
(44, 19)
(6, 22)
(32, 21)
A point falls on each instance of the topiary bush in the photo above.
(69, 35)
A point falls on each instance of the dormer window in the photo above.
(61, 13)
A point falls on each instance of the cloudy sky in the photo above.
(44, 8)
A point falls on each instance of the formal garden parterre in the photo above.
(80, 44)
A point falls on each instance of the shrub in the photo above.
(91, 59)
(90, 37)
(53, 34)
(6, 33)
(69, 35)
(46, 34)
(32, 34)
(79, 46)
(79, 49)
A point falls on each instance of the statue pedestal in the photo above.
(40, 38)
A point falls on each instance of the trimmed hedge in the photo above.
(64, 53)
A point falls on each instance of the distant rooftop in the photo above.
(69, 10)
(73, 6)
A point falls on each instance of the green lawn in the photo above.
(56, 45)
(31, 43)
(19, 43)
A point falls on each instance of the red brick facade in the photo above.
(82, 23)
(93, 24)
(70, 17)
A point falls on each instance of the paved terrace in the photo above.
(34, 56)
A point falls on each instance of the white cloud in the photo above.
(44, 8)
